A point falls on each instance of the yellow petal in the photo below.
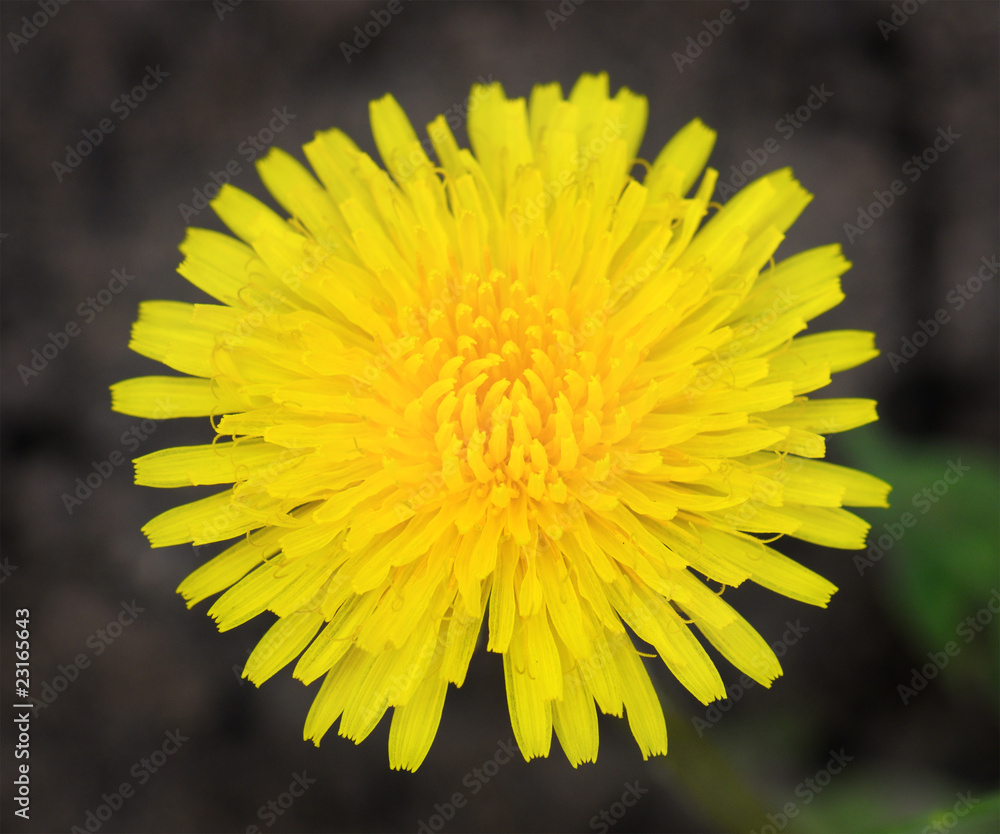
(283, 642)
(415, 724)
(642, 706)
(230, 566)
(574, 719)
(160, 397)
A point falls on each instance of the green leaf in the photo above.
(935, 549)
(955, 815)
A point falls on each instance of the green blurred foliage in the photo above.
(933, 555)
(935, 549)
(983, 817)
(862, 809)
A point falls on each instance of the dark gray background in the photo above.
(171, 670)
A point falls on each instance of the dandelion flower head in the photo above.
(540, 390)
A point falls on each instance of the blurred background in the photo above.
(886, 718)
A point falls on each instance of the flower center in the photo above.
(516, 397)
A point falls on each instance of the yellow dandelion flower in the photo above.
(518, 385)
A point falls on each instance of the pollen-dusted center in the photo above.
(511, 397)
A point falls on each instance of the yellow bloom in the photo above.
(519, 385)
